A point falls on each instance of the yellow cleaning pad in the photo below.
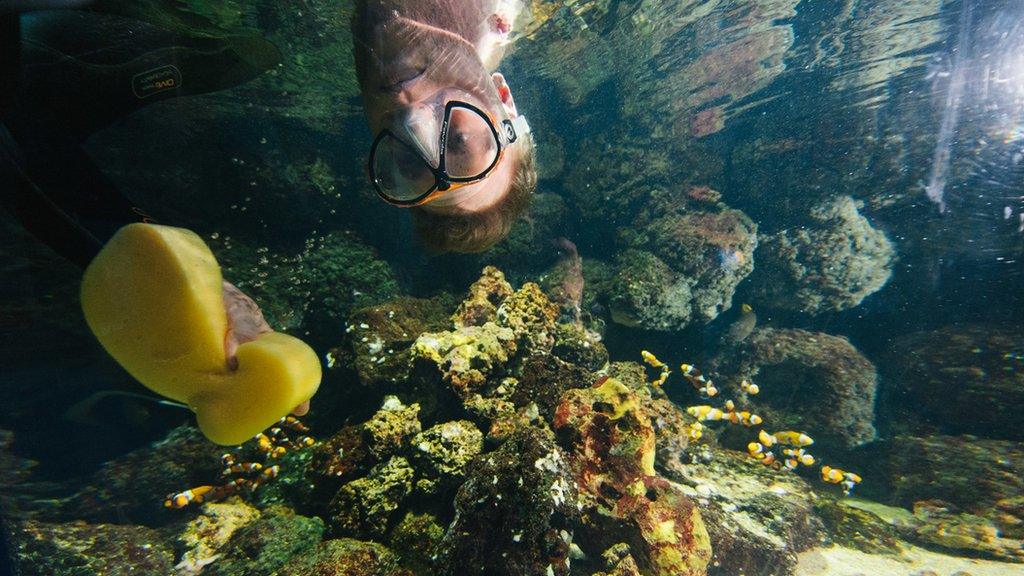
(153, 298)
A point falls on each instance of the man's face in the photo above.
(409, 72)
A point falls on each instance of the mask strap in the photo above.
(515, 128)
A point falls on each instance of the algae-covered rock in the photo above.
(986, 471)
(132, 487)
(857, 528)
(80, 549)
(625, 567)
(709, 246)
(672, 430)
(441, 453)
(469, 355)
(345, 557)
(417, 536)
(833, 263)
(943, 373)
(531, 316)
(365, 506)
(576, 345)
(648, 294)
(264, 545)
(610, 442)
(381, 335)
(811, 381)
(342, 456)
(316, 287)
(758, 519)
(391, 428)
(544, 379)
(485, 295)
(943, 526)
(204, 538)
(514, 512)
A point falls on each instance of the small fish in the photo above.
(705, 412)
(190, 496)
(242, 468)
(848, 480)
(652, 361)
(799, 455)
(743, 326)
(792, 438)
(98, 409)
(698, 381)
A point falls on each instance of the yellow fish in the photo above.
(705, 412)
(792, 438)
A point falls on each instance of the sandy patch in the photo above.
(839, 561)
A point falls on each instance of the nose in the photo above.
(420, 128)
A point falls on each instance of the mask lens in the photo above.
(399, 172)
(471, 147)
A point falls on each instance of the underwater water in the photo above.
(763, 315)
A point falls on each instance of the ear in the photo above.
(505, 94)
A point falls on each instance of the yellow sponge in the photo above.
(153, 297)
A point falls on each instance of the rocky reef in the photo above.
(964, 379)
(504, 442)
(808, 381)
(318, 286)
(830, 264)
(680, 252)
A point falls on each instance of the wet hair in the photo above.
(478, 231)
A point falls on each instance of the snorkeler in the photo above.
(449, 142)
(153, 295)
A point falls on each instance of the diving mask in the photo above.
(413, 169)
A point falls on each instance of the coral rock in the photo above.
(531, 316)
(263, 546)
(485, 295)
(809, 381)
(417, 536)
(207, 534)
(381, 335)
(467, 356)
(391, 428)
(131, 487)
(441, 453)
(985, 472)
(942, 526)
(544, 380)
(832, 264)
(365, 506)
(611, 446)
(80, 549)
(343, 456)
(941, 372)
(514, 512)
(345, 557)
(648, 294)
(758, 519)
(579, 346)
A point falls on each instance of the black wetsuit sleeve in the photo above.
(79, 72)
